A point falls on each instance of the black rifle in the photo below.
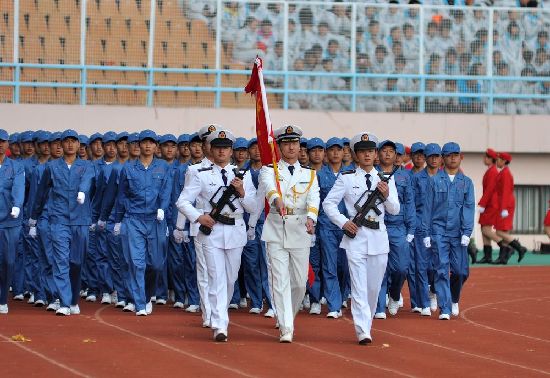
(226, 199)
(370, 204)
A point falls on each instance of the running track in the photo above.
(503, 330)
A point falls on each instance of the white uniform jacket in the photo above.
(200, 186)
(349, 186)
(300, 195)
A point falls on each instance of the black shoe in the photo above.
(503, 255)
(518, 247)
(487, 255)
(365, 341)
(472, 251)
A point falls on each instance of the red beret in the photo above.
(491, 153)
(407, 150)
(505, 155)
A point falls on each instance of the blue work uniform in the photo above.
(12, 194)
(69, 221)
(333, 261)
(141, 192)
(398, 226)
(449, 215)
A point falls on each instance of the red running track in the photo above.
(503, 330)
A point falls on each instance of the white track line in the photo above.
(459, 351)
(97, 316)
(346, 358)
(44, 357)
(463, 316)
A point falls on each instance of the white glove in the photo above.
(465, 240)
(313, 239)
(481, 210)
(410, 238)
(101, 225)
(80, 197)
(181, 236)
(427, 242)
(504, 213)
(92, 227)
(116, 229)
(32, 222)
(251, 233)
(15, 212)
(160, 215)
(32, 232)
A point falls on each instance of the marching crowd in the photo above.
(133, 219)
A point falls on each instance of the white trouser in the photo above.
(366, 273)
(223, 270)
(288, 281)
(202, 281)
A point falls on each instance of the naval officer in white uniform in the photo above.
(289, 226)
(367, 253)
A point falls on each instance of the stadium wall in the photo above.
(527, 137)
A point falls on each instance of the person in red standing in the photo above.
(488, 206)
(547, 221)
(506, 208)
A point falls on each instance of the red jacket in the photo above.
(489, 199)
(505, 190)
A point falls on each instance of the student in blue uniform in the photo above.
(447, 224)
(14, 146)
(401, 228)
(334, 267)
(422, 256)
(70, 180)
(143, 199)
(12, 189)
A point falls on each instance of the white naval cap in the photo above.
(364, 141)
(289, 133)
(221, 138)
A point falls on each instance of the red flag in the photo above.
(267, 145)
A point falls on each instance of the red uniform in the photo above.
(506, 199)
(489, 199)
(547, 219)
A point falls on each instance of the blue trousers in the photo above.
(127, 261)
(103, 263)
(92, 268)
(398, 266)
(18, 273)
(147, 247)
(255, 270)
(450, 256)
(329, 245)
(117, 263)
(9, 238)
(315, 290)
(190, 273)
(33, 271)
(46, 261)
(176, 269)
(70, 245)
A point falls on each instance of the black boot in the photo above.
(518, 247)
(472, 251)
(487, 255)
(503, 255)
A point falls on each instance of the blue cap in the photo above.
(315, 142)
(168, 138)
(69, 133)
(387, 143)
(133, 138)
(83, 139)
(55, 136)
(122, 135)
(109, 136)
(303, 142)
(4, 135)
(399, 148)
(148, 134)
(195, 137)
(252, 141)
(335, 141)
(432, 149)
(417, 147)
(346, 141)
(450, 148)
(240, 143)
(14, 138)
(184, 138)
(95, 136)
(42, 136)
(26, 136)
